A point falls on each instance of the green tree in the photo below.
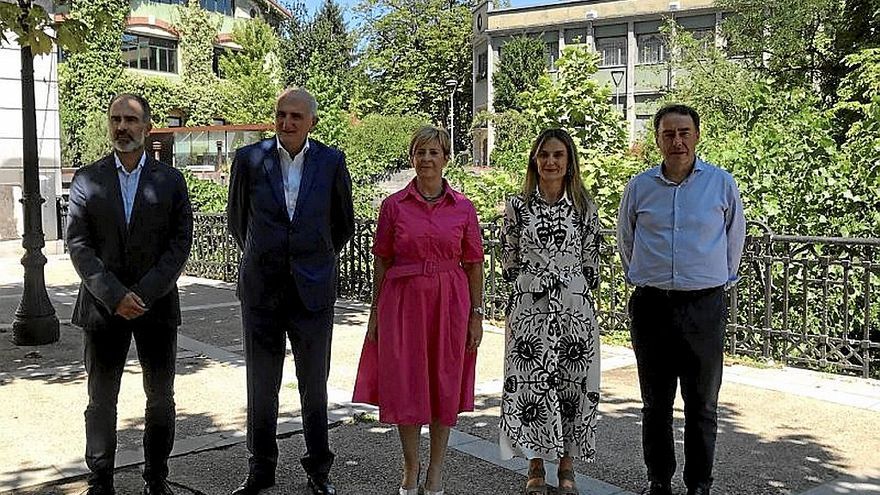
(802, 42)
(519, 69)
(252, 74)
(412, 47)
(571, 100)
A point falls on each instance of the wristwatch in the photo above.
(477, 310)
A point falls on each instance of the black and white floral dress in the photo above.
(551, 371)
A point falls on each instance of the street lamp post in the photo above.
(617, 77)
(35, 321)
(453, 85)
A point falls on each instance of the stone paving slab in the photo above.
(783, 431)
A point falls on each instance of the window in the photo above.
(576, 36)
(551, 53)
(173, 121)
(652, 48)
(220, 6)
(482, 66)
(704, 37)
(215, 61)
(170, 2)
(144, 52)
(612, 51)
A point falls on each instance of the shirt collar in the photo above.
(699, 165)
(120, 166)
(286, 154)
(413, 192)
(562, 200)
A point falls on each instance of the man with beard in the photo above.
(129, 234)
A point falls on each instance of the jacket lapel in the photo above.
(145, 178)
(111, 178)
(272, 166)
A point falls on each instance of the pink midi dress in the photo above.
(418, 370)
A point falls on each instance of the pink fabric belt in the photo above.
(425, 268)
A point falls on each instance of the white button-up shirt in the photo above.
(291, 172)
(128, 183)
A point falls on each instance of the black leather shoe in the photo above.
(253, 485)
(658, 488)
(100, 490)
(320, 485)
(157, 488)
(701, 489)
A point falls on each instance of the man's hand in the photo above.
(131, 306)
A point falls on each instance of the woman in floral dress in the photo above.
(550, 252)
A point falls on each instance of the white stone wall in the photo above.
(48, 139)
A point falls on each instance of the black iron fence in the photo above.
(805, 301)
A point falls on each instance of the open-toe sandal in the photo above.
(567, 475)
(536, 488)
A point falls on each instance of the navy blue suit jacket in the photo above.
(146, 256)
(277, 250)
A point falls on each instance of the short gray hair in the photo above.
(299, 93)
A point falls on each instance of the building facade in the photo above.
(150, 46)
(11, 138)
(625, 34)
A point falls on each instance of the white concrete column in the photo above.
(491, 56)
(591, 38)
(631, 57)
(719, 41)
(561, 40)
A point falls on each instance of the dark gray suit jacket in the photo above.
(112, 258)
(277, 250)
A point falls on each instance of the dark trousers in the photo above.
(679, 335)
(264, 345)
(106, 350)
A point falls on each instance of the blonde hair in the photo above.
(427, 134)
(574, 186)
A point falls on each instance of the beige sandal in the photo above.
(567, 475)
(536, 489)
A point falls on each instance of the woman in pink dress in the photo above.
(425, 323)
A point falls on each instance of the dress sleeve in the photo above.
(511, 259)
(472, 241)
(590, 240)
(383, 243)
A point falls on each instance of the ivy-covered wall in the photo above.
(88, 80)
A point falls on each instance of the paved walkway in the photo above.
(781, 431)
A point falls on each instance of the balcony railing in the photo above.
(804, 301)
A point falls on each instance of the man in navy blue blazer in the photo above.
(290, 211)
(129, 233)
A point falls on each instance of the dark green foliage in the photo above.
(206, 196)
(518, 71)
(411, 49)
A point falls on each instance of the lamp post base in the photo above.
(39, 330)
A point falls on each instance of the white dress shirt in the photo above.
(291, 172)
(128, 183)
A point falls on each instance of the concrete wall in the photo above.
(556, 14)
(48, 144)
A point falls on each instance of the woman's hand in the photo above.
(475, 332)
(373, 326)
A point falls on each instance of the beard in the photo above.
(126, 143)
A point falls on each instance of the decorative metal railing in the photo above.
(805, 301)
